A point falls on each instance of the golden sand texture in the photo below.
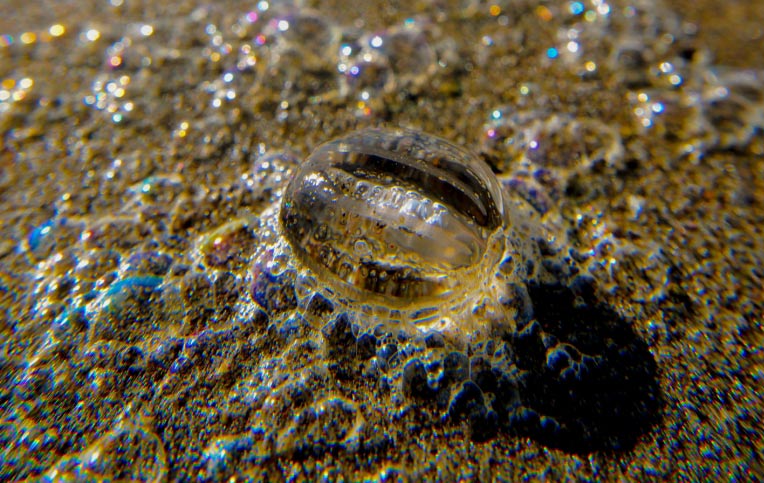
(154, 325)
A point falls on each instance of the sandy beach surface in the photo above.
(158, 324)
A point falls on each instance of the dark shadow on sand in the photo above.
(587, 381)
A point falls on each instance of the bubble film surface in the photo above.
(401, 216)
(589, 309)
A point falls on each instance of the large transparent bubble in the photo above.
(395, 216)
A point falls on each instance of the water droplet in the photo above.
(394, 216)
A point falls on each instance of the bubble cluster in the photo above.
(14, 90)
(379, 63)
(125, 61)
(722, 111)
(105, 458)
(549, 140)
(542, 152)
(301, 55)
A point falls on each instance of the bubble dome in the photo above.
(399, 216)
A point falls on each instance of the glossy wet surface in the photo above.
(157, 325)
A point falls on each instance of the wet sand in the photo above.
(154, 325)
